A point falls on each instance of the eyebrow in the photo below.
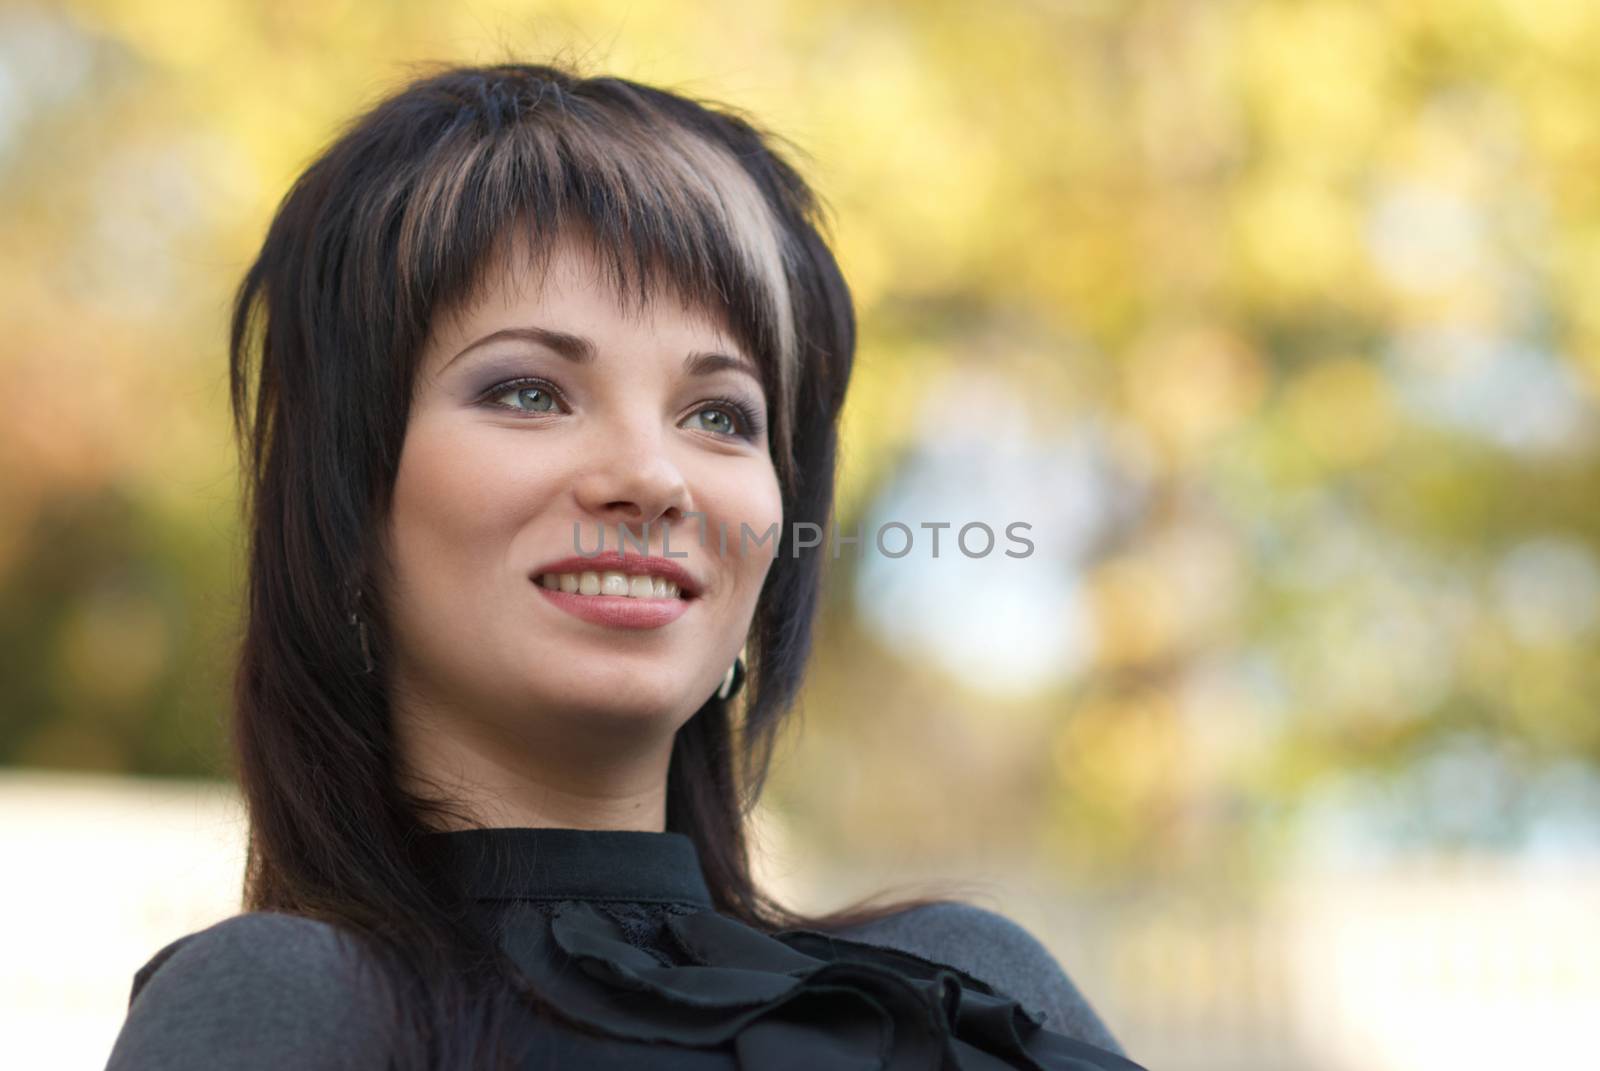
(581, 350)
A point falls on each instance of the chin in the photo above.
(625, 702)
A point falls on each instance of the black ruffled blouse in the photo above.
(616, 929)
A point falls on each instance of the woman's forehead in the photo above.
(571, 276)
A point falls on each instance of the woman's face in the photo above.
(495, 474)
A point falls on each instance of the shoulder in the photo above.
(997, 950)
(261, 940)
(260, 989)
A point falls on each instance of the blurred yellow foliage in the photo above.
(1300, 297)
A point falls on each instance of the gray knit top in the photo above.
(269, 990)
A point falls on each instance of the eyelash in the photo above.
(747, 416)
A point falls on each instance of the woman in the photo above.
(496, 788)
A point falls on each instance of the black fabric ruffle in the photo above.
(796, 1000)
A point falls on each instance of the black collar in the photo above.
(530, 863)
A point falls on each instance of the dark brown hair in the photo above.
(393, 222)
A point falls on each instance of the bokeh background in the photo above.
(1277, 321)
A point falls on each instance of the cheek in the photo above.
(758, 503)
(456, 500)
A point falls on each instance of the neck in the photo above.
(578, 780)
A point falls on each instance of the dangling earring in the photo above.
(733, 680)
(360, 625)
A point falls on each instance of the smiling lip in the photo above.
(632, 564)
(618, 611)
(621, 611)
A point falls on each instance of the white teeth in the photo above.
(611, 583)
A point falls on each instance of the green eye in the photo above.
(734, 418)
(536, 398)
(725, 422)
(528, 396)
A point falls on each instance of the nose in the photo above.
(631, 479)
